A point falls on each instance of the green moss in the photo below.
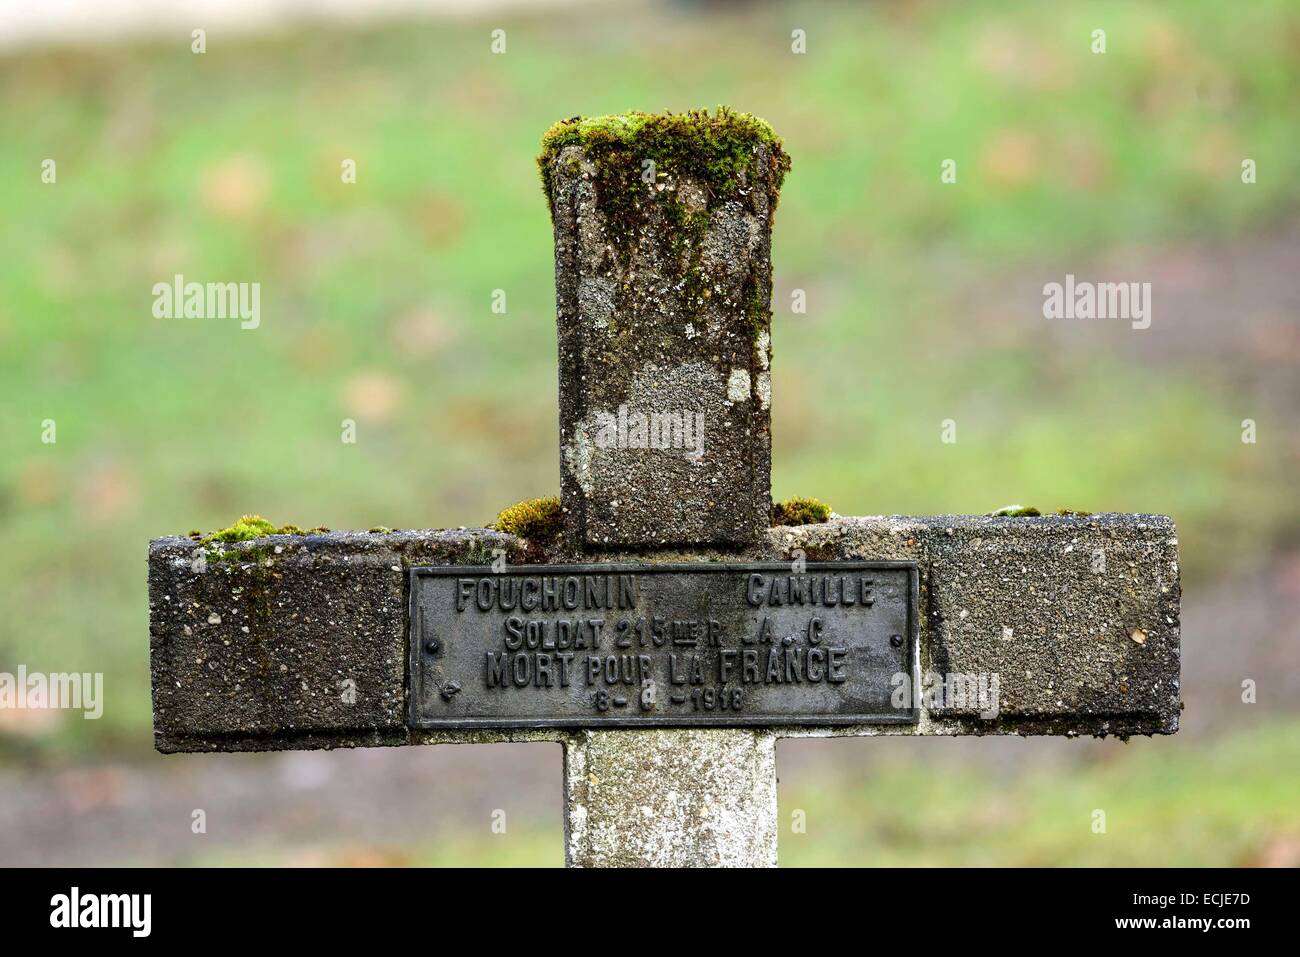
(720, 153)
(1015, 511)
(800, 511)
(253, 526)
(479, 553)
(254, 555)
(1029, 511)
(248, 527)
(537, 519)
(715, 148)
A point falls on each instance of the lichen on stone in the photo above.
(1015, 511)
(800, 511)
(538, 519)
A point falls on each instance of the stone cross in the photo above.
(656, 622)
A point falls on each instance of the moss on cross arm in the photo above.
(1015, 511)
(247, 528)
(537, 519)
(250, 527)
(800, 511)
(1029, 511)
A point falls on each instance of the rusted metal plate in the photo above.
(635, 645)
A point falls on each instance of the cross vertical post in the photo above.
(663, 233)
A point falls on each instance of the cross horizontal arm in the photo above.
(294, 641)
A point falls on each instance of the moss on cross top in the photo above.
(715, 148)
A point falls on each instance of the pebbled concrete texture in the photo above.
(651, 324)
(633, 796)
(289, 641)
(1077, 615)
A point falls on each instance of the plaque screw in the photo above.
(431, 646)
(450, 691)
(896, 641)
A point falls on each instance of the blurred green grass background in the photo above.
(376, 296)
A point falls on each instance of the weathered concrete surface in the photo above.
(1078, 616)
(1081, 645)
(288, 641)
(658, 319)
(680, 798)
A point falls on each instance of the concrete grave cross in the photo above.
(658, 625)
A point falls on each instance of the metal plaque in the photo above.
(634, 645)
